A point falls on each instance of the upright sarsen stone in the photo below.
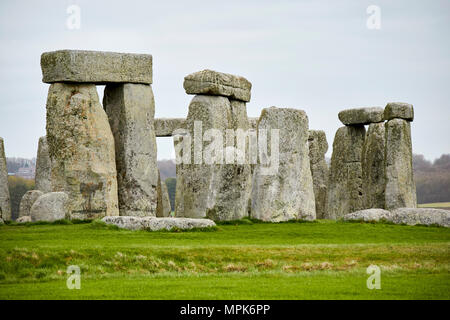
(287, 192)
(131, 109)
(5, 203)
(373, 167)
(400, 191)
(345, 193)
(163, 208)
(81, 149)
(318, 146)
(43, 167)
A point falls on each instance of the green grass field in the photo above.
(314, 260)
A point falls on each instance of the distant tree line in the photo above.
(432, 179)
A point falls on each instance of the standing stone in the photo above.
(318, 146)
(81, 148)
(163, 208)
(28, 199)
(373, 167)
(216, 190)
(5, 204)
(400, 191)
(131, 110)
(286, 193)
(43, 167)
(345, 183)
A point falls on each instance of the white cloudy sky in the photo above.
(318, 56)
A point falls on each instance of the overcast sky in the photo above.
(318, 56)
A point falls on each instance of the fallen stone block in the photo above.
(210, 82)
(50, 207)
(155, 224)
(81, 66)
(361, 115)
(400, 110)
(423, 216)
(368, 215)
(24, 219)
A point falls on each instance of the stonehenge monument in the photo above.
(99, 160)
(5, 204)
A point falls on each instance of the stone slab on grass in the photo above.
(155, 224)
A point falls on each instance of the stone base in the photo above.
(155, 224)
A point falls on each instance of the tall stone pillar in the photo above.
(373, 167)
(285, 193)
(43, 167)
(131, 109)
(318, 146)
(5, 203)
(81, 148)
(212, 186)
(400, 188)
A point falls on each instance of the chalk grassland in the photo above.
(242, 260)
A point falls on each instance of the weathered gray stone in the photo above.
(318, 146)
(1, 221)
(81, 148)
(50, 207)
(163, 208)
(164, 127)
(253, 123)
(424, 216)
(361, 115)
(156, 224)
(400, 190)
(286, 193)
(399, 110)
(95, 67)
(373, 167)
(24, 219)
(219, 191)
(345, 182)
(5, 203)
(217, 83)
(131, 110)
(28, 199)
(369, 215)
(43, 167)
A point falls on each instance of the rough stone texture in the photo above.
(43, 167)
(163, 208)
(131, 109)
(164, 127)
(361, 115)
(155, 224)
(28, 199)
(400, 190)
(399, 110)
(217, 191)
(345, 183)
(24, 219)
(97, 67)
(81, 148)
(425, 216)
(318, 146)
(368, 215)
(50, 207)
(288, 193)
(217, 83)
(253, 123)
(373, 167)
(5, 203)
(1, 221)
